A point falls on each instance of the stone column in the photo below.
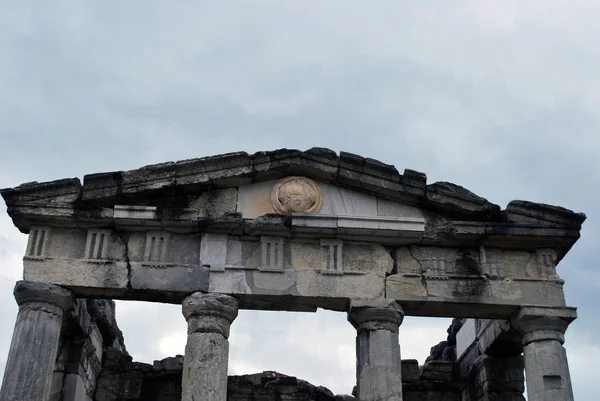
(209, 317)
(378, 369)
(32, 354)
(546, 367)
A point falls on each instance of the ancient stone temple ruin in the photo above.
(290, 231)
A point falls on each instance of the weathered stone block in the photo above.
(215, 202)
(524, 212)
(456, 200)
(410, 370)
(171, 278)
(330, 289)
(465, 337)
(400, 285)
(66, 243)
(438, 371)
(83, 276)
(394, 209)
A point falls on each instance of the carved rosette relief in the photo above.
(296, 195)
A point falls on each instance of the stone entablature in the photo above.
(134, 264)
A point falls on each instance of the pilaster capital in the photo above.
(375, 314)
(30, 293)
(210, 313)
(536, 323)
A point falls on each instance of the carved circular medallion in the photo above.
(296, 195)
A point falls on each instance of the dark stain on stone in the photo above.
(468, 263)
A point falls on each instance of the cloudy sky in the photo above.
(502, 97)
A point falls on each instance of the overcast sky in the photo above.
(502, 97)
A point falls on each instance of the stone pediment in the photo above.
(231, 191)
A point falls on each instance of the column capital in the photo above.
(30, 292)
(210, 313)
(536, 323)
(364, 313)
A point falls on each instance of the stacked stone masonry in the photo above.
(294, 231)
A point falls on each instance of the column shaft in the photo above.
(547, 371)
(209, 317)
(378, 369)
(34, 346)
(546, 367)
(205, 367)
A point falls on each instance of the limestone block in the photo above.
(163, 247)
(170, 278)
(303, 283)
(438, 371)
(230, 281)
(390, 208)
(184, 249)
(66, 243)
(316, 162)
(369, 174)
(346, 202)
(255, 199)
(213, 250)
(216, 202)
(524, 212)
(405, 286)
(234, 256)
(227, 170)
(74, 388)
(471, 296)
(308, 255)
(132, 213)
(436, 261)
(367, 259)
(510, 290)
(369, 286)
(136, 244)
(78, 273)
(119, 378)
(169, 363)
(466, 289)
(410, 370)
(514, 263)
(549, 293)
(312, 255)
(465, 337)
(113, 185)
(491, 378)
(252, 254)
(97, 341)
(406, 262)
(454, 199)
